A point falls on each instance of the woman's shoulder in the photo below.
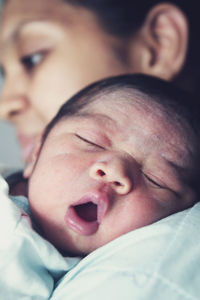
(17, 183)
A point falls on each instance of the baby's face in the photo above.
(114, 168)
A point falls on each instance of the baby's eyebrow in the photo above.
(99, 116)
(185, 174)
(98, 120)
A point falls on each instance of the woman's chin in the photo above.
(27, 152)
(27, 146)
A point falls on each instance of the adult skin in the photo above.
(48, 53)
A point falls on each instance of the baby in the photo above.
(119, 155)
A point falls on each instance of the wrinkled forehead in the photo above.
(132, 104)
(135, 112)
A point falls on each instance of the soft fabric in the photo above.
(157, 262)
(29, 265)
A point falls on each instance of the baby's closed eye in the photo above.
(89, 142)
(154, 181)
(160, 186)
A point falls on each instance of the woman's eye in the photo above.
(30, 61)
(88, 142)
(2, 73)
(2, 78)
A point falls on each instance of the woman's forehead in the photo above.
(35, 7)
(17, 13)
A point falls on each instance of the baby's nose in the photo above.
(114, 172)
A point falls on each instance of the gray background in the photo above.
(9, 148)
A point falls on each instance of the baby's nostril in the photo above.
(100, 173)
(117, 183)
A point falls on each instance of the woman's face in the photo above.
(49, 50)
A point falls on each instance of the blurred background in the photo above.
(9, 147)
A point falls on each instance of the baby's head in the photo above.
(119, 155)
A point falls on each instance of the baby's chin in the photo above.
(84, 246)
(76, 246)
(80, 249)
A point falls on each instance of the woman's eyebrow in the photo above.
(14, 35)
(25, 24)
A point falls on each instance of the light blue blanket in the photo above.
(156, 262)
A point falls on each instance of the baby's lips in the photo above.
(79, 224)
(102, 204)
(98, 198)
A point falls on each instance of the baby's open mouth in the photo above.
(85, 216)
(87, 211)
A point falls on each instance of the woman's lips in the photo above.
(87, 222)
(27, 145)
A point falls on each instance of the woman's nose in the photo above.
(115, 172)
(13, 101)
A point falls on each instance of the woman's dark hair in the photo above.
(124, 17)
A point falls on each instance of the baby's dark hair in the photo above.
(173, 100)
(179, 106)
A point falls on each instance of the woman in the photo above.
(52, 48)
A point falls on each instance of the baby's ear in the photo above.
(34, 156)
